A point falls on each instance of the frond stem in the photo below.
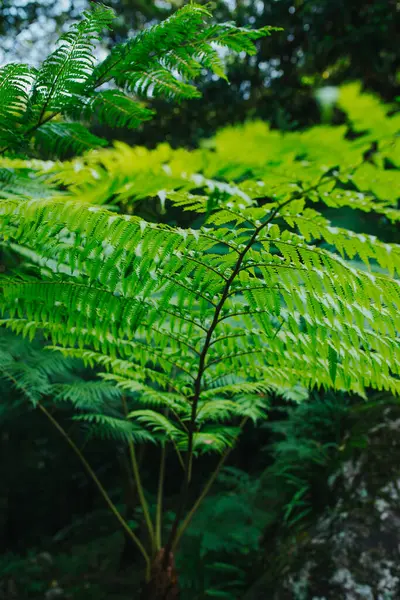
(185, 524)
(99, 485)
(160, 492)
(139, 486)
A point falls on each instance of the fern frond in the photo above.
(85, 395)
(62, 138)
(337, 307)
(213, 439)
(238, 39)
(24, 183)
(64, 74)
(113, 428)
(15, 87)
(149, 396)
(29, 370)
(367, 113)
(158, 423)
(216, 410)
(116, 109)
(181, 44)
(161, 60)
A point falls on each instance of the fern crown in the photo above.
(260, 293)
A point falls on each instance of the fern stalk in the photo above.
(99, 485)
(160, 495)
(186, 522)
(139, 486)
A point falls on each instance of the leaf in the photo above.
(157, 422)
(15, 85)
(62, 138)
(333, 362)
(108, 427)
(64, 75)
(116, 109)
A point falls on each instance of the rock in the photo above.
(352, 552)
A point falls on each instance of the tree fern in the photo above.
(195, 326)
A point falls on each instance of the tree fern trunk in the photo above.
(163, 583)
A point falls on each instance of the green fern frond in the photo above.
(16, 81)
(213, 439)
(65, 74)
(113, 428)
(64, 138)
(154, 42)
(149, 396)
(86, 395)
(218, 410)
(158, 423)
(116, 109)
(29, 370)
(24, 183)
(367, 113)
(181, 44)
(337, 307)
(238, 39)
(161, 60)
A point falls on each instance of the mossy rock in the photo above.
(352, 551)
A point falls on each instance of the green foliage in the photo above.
(39, 106)
(324, 42)
(307, 439)
(251, 518)
(223, 539)
(158, 288)
(28, 370)
(248, 161)
(262, 294)
(249, 288)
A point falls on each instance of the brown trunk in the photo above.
(163, 583)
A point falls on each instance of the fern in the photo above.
(59, 138)
(16, 82)
(28, 371)
(277, 165)
(64, 75)
(140, 299)
(114, 428)
(195, 326)
(71, 85)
